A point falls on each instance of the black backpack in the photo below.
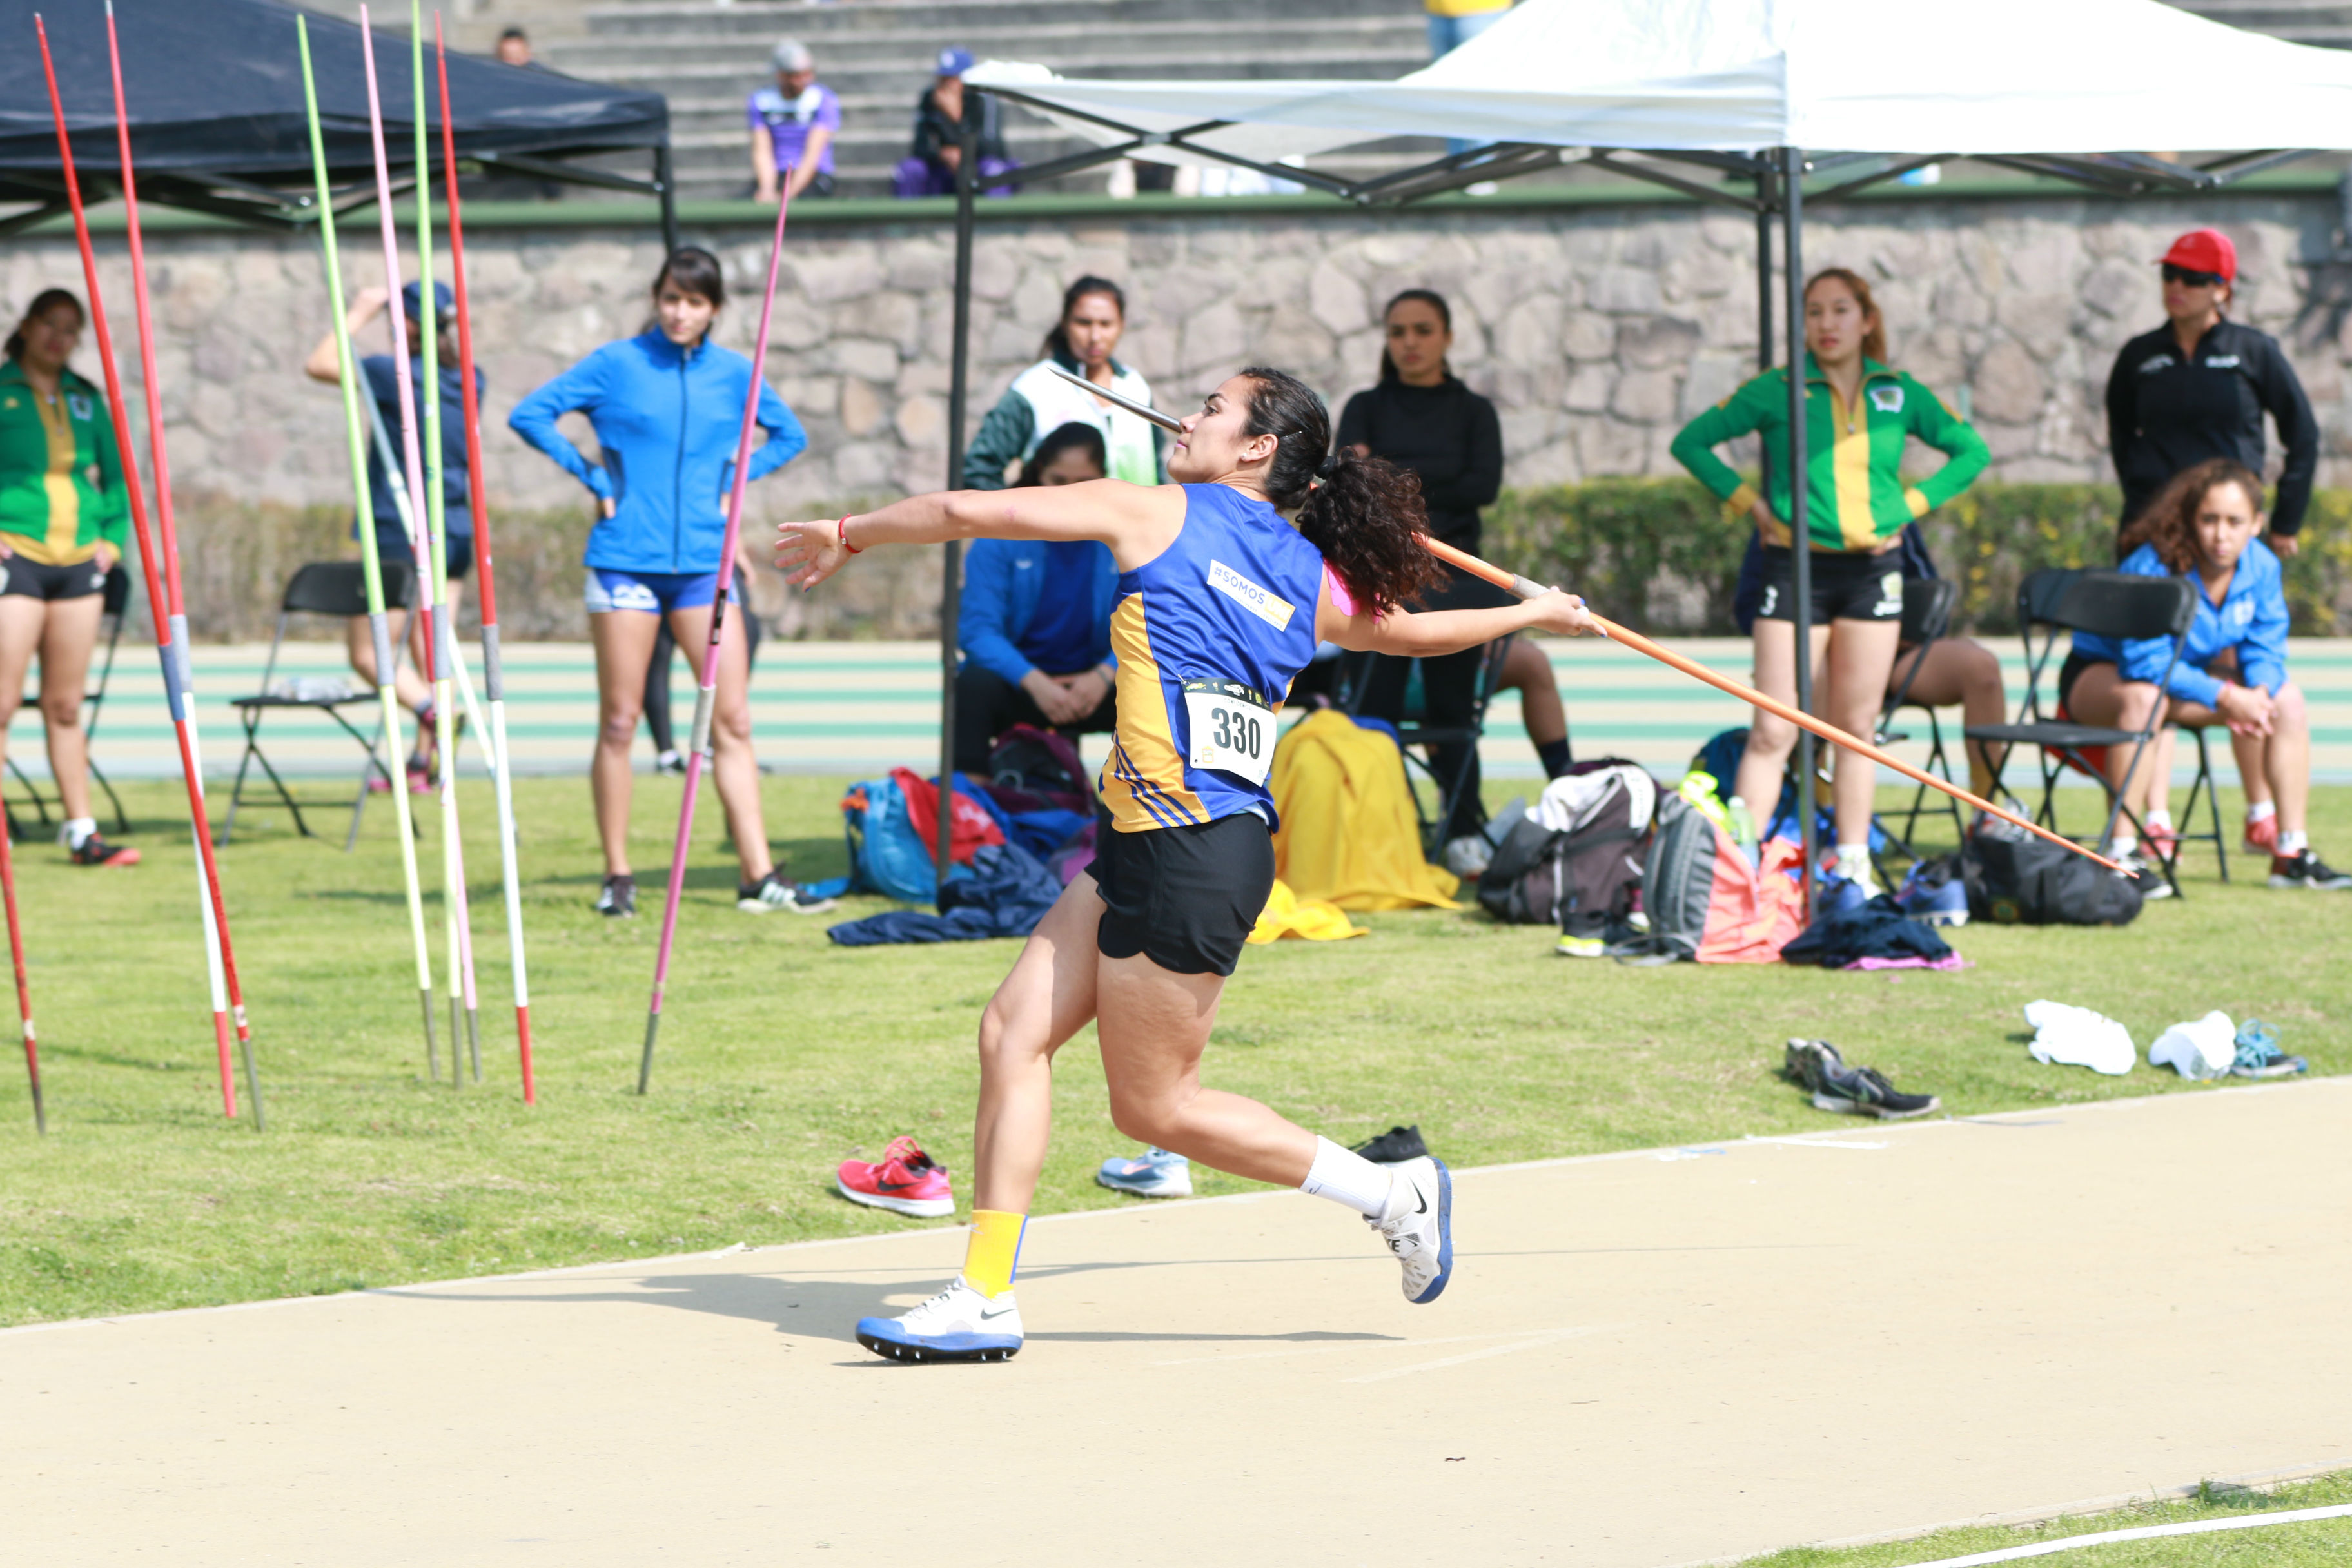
(2015, 878)
(1579, 880)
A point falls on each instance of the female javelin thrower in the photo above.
(1220, 602)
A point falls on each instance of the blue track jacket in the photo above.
(2250, 618)
(668, 420)
(1001, 580)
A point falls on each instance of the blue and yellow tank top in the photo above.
(1216, 626)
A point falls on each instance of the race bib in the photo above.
(1233, 728)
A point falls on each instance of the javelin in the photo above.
(215, 917)
(440, 633)
(24, 991)
(478, 494)
(707, 694)
(387, 697)
(1526, 589)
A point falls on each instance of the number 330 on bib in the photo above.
(1233, 728)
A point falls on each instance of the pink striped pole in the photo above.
(704, 698)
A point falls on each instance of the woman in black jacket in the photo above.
(1422, 417)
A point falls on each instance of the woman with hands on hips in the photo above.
(65, 522)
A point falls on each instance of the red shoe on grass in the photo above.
(904, 1181)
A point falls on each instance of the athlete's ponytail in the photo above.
(1365, 515)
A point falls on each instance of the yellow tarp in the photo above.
(1349, 833)
(1315, 921)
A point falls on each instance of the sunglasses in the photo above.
(2173, 274)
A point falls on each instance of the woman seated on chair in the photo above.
(63, 520)
(2231, 671)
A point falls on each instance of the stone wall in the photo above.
(1597, 329)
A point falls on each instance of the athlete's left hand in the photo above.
(1564, 614)
(809, 553)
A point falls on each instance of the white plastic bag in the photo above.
(2076, 1037)
(2203, 1047)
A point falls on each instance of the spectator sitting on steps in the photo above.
(514, 49)
(942, 114)
(1035, 620)
(793, 124)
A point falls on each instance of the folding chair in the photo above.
(1927, 605)
(2104, 604)
(1453, 782)
(336, 589)
(115, 601)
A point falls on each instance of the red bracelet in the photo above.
(840, 529)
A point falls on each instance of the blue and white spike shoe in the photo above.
(956, 1324)
(1418, 1225)
(1154, 1174)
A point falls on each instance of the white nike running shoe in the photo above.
(1418, 1225)
(956, 1324)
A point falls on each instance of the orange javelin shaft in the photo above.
(1830, 732)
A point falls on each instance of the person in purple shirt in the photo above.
(2231, 670)
(793, 124)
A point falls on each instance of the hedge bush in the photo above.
(1654, 553)
(1657, 555)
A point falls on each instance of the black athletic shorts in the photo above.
(2072, 671)
(1185, 898)
(1846, 587)
(391, 545)
(32, 580)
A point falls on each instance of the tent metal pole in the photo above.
(667, 183)
(1801, 545)
(951, 562)
(1764, 290)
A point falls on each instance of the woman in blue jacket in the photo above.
(2231, 671)
(667, 406)
(1034, 620)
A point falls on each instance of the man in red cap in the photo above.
(2198, 388)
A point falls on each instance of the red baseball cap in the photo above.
(2204, 250)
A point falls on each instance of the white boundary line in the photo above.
(2144, 1532)
(1745, 1140)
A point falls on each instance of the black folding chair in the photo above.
(336, 589)
(116, 601)
(1418, 734)
(2104, 604)
(1927, 605)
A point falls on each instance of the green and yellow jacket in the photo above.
(1854, 494)
(60, 475)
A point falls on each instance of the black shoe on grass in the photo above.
(1864, 1091)
(619, 899)
(1396, 1146)
(2304, 869)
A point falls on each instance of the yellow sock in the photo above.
(993, 1254)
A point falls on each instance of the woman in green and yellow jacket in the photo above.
(1860, 418)
(64, 522)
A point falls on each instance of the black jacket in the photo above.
(1448, 435)
(2165, 415)
(935, 129)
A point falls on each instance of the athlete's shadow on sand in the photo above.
(824, 1309)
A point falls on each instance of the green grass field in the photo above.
(782, 1054)
(2307, 1544)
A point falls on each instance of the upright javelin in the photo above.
(707, 695)
(347, 368)
(478, 495)
(440, 632)
(220, 958)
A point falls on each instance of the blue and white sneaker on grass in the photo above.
(956, 1324)
(1154, 1174)
(1418, 1225)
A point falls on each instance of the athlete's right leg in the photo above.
(22, 619)
(1770, 738)
(624, 645)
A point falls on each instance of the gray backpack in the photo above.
(1677, 884)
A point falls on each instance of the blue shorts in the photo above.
(456, 554)
(654, 593)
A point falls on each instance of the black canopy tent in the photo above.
(213, 90)
(1767, 184)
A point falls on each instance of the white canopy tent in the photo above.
(1735, 101)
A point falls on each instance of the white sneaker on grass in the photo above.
(956, 1324)
(1418, 1225)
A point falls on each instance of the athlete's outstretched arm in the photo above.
(1429, 632)
(1137, 521)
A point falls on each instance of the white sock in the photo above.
(2293, 843)
(78, 830)
(1854, 863)
(1349, 1178)
(2157, 817)
(2125, 845)
(2262, 810)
